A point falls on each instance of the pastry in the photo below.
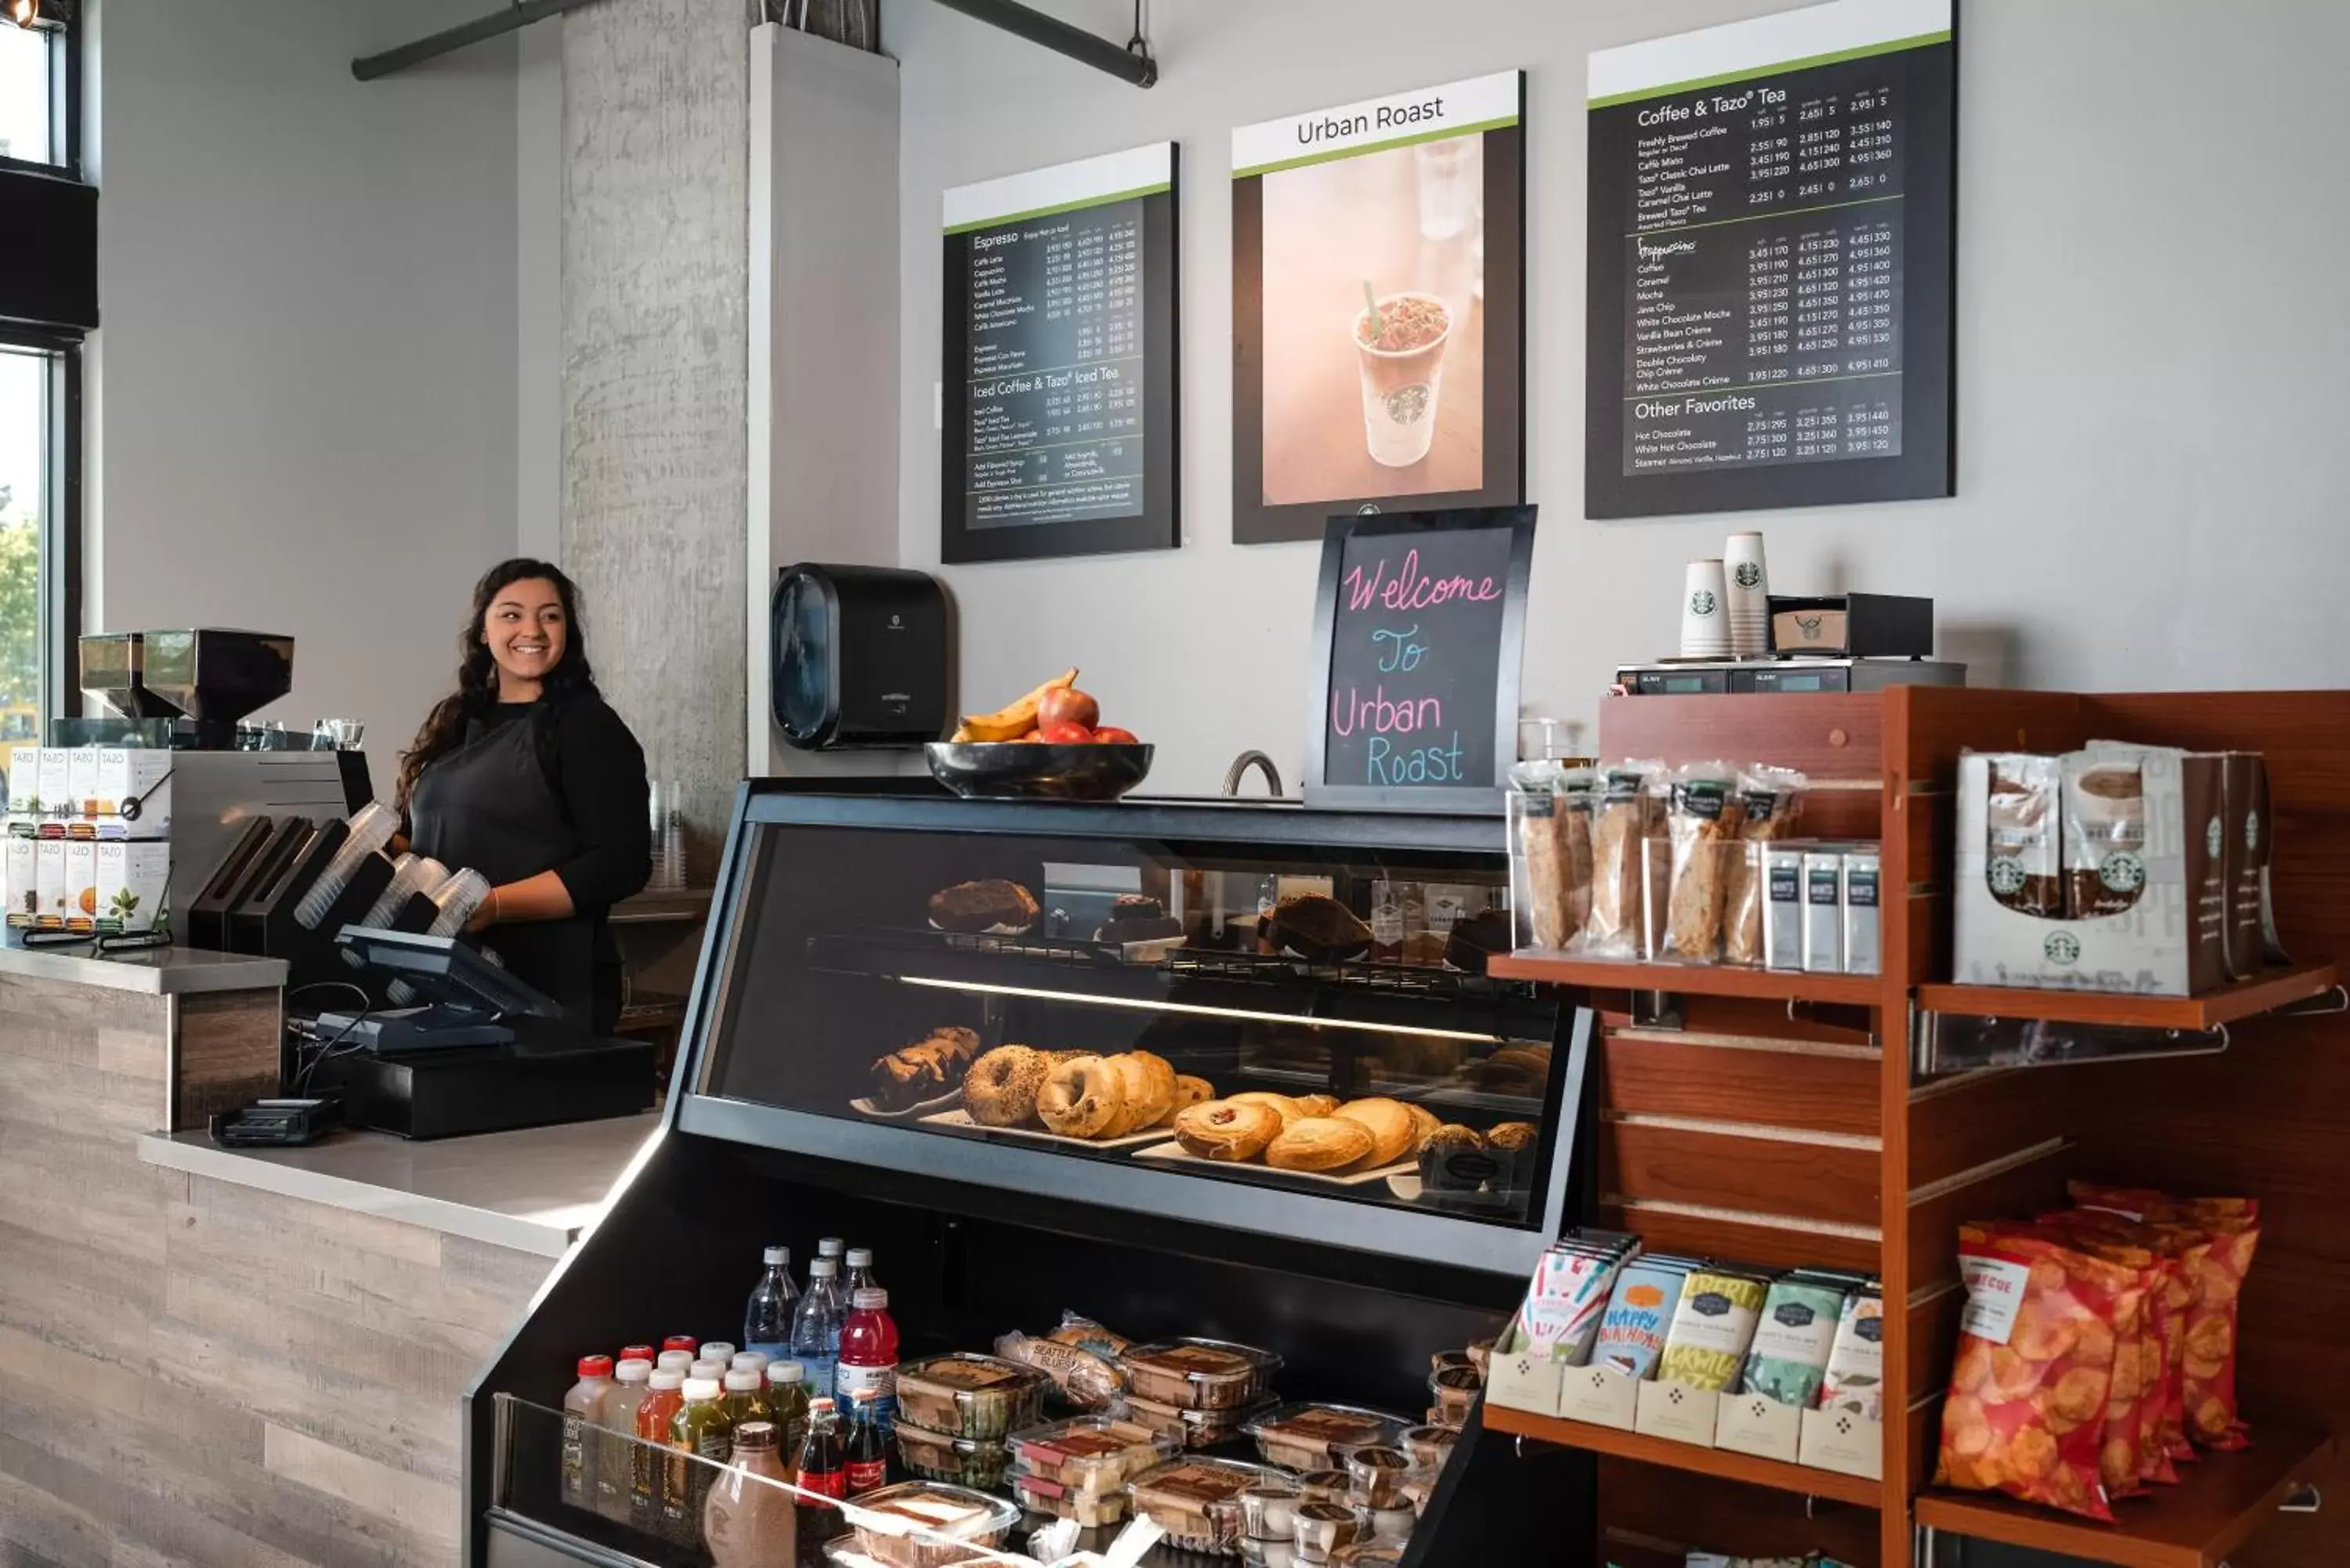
(1082, 1099)
(1322, 1143)
(1424, 1124)
(1162, 1095)
(1512, 1136)
(926, 1069)
(1316, 926)
(1138, 1091)
(1479, 937)
(990, 905)
(1389, 1123)
(1138, 917)
(1452, 1135)
(1227, 1129)
(1288, 1110)
(1317, 1105)
(1000, 1090)
(1513, 1070)
(1191, 1091)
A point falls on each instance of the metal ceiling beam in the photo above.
(1125, 62)
(520, 14)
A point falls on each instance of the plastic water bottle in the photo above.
(815, 1329)
(767, 1321)
(857, 1274)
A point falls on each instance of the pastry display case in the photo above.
(1230, 1077)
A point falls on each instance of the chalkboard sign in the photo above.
(1417, 628)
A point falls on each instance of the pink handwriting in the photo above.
(1410, 590)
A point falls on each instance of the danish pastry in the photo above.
(1289, 1109)
(1389, 1123)
(1226, 1129)
(1000, 1090)
(1320, 1143)
(1082, 1099)
(1191, 1091)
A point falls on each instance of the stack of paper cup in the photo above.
(1705, 612)
(1750, 595)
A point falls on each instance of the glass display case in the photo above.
(1276, 1019)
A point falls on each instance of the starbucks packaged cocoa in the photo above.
(2102, 831)
(2022, 812)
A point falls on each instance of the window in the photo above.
(37, 100)
(37, 415)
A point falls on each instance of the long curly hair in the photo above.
(477, 673)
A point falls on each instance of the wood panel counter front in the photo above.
(215, 1358)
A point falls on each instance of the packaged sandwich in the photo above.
(1626, 817)
(2024, 859)
(1712, 1329)
(1770, 800)
(2102, 832)
(1702, 820)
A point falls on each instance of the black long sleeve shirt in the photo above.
(598, 770)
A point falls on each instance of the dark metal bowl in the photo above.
(1028, 770)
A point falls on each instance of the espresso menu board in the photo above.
(1771, 232)
(1419, 625)
(1058, 398)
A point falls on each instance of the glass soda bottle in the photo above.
(616, 1461)
(869, 1359)
(701, 1429)
(767, 1318)
(581, 1407)
(647, 1470)
(823, 1474)
(816, 1331)
(866, 1455)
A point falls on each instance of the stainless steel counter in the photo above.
(156, 971)
(531, 1192)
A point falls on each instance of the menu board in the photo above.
(1058, 400)
(1418, 626)
(1771, 236)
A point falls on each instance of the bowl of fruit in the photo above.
(1049, 745)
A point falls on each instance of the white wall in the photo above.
(304, 392)
(2151, 472)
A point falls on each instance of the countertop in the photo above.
(156, 971)
(532, 1190)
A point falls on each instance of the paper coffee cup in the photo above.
(1749, 594)
(1705, 611)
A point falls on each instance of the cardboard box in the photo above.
(49, 884)
(1841, 1442)
(81, 782)
(134, 883)
(1783, 908)
(1525, 1380)
(1824, 910)
(56, 788)
(81, 886)
(1758, 1425)
(1670, 1408)
(140, 778)
(23, 781)
(1603, 1396)
(1862, 931)
(23, 886)
(2172, 941)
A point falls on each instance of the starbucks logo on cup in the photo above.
(2122, 873)
(2007, 877)
(2211, 838)
(2062, 947)
(1701, 603)
(1748, 575)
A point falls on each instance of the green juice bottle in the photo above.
(702, 1429)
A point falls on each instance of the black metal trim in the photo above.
(368, 68)
(1050, 32)
(61, 542)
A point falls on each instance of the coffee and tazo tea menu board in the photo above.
(1770, 261)
(1059, 387)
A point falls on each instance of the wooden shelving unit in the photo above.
(1689, 979)
(2217, 1507)
(2233, 1003)
(1802, 1481)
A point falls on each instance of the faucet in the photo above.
(1240, 765)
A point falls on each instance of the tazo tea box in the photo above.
(23, 781)
(1863, 936)
(81, 885)
(1782, 908)
(133, 880)
(56, 788)
(24, 888)
(136, 780)
(1824, 910)
(81, 789)
(49, 884)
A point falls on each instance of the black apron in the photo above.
(490, 805)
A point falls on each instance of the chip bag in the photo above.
(2230, 1231)
(2132, 1454)
(2026, 1413)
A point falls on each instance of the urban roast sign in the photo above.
(1418, 626)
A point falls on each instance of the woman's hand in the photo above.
(485, 915)
(540, 897)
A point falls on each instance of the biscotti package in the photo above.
(1791, 1340)
(1863, 932)
(1628, 815)
(1854, 1380)
(24, 890)
(2103, 830)
(1769, 802)
(1783, 908)
(1824, 910)
(1640, 1310)
(1551, 812)
(1702, 820)
(1712, 1329)
(2022, 844)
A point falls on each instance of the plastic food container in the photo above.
(1193, 1429)
(1324, 1486)
(1095, 1454)
(1361, 1555)
(944, 1457)
(1324, 1528)
(1197, 1500)
(1375, 1476)
(1429, 1446)
(1269, 1512)
(1316, 1436)
(941, 1524)
(971, 1396)
(1454, 1390)
(1268, 1553)
(1089, 1509)
(1198, 1374)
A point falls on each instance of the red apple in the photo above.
(1067, 705)
(1064, 735)
(1111, 735)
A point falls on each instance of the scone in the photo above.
(1226, 1129)
(1388, 1122)
(1320, 1143)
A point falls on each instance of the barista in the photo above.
(526, 775)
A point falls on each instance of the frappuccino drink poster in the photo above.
(1378, 309)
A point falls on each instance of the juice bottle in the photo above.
(699, 1430)
(788, 1397)
(637, 1353)
(868, 1357)
(716, 1350)
(675, 1361)
(751, 1361)
(767, 1317)
(647, 1470)
(746, 1396)
(581, 1406)
(684, 1341)
(616, 1461)
(707, 1366)
(823, 1474)
(748, 1520)
(865, 1461)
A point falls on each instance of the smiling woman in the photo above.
(525, 774)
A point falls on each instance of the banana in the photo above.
(1012, 723)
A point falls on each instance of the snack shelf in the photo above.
(2279, 987)
(1690, 979)
(2218, 1505)
(1804, 1480)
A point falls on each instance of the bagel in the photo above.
(1226, 1130)
(1082, 1097)
(1317, 1105)
(1320, 1143)
(1000, 1090)
(1191, 1091)
(1389, 1123)
(1289, 1109)
(1424, 1123)
(1162, 1099)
